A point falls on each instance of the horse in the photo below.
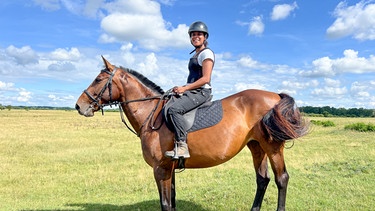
(261, 120)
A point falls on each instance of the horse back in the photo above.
(252, 103)
(241, 113)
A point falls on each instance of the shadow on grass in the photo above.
(141, 206)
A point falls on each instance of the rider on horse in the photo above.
(197, 90)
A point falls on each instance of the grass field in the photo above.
(58, 160)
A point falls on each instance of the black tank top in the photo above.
(195, 70)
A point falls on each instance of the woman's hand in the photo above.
(179, 89)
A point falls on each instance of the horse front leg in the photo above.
(281, 177)
(261, 170)
(165, 181)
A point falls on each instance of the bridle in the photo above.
(108, 85)
(96, 101)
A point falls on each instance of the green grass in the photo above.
(362, 127)
(58, 160)
(323, 123)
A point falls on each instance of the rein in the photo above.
(95, 101)
(148, 117)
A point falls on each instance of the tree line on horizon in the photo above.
(325, 111)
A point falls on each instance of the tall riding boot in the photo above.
(180, 151)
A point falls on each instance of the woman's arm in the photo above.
(207, 67)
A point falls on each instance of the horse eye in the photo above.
(97, 80)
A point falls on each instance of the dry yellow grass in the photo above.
(58, 160)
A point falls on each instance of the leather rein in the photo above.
(108, 85)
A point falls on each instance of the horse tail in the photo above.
(284, 121)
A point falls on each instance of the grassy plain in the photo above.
(58, 160)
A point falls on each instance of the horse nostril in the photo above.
(77, 107)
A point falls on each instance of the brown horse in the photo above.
(260, 120)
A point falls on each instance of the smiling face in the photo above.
(197, 39)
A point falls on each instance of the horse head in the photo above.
(104, 90)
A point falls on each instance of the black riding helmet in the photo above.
(198, 26)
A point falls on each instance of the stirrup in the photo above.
(175, 157)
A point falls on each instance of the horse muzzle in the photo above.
(87, 111)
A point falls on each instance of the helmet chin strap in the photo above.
(196, 49)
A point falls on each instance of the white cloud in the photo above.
(63, 54)
(357, 21)
(64, 98)
(247, 62)
(89, 8)
(10, 93)
(291, 87)
(256, 26)
(61, 67)
(361, 89)
(49, 5)
(331, 82)
(6, 86)
(243, 86)
(350, 63)
(141, 21)
(330, 92)
(24, 96)
(149, 66)
(23, 56)
(282, 11)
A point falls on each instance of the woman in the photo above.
(197, 90)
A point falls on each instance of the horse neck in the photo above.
(137, 112)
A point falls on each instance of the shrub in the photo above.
(323, 123)
(362, 127)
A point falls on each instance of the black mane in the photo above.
(144, 80)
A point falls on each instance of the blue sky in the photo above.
(321, 52)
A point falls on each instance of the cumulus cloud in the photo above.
(24, 96)
(291, 87)
(256, 26)
(6, 86)
(61, 67)
(63, 54)
(55, 98)
(149, 66)
(282, 11)
(141, 21)
(9, 92)
(350, 63)
(361, 89)
(333, 92)
(357, 21)
(248, 62)
(243, 86)
(23, 56)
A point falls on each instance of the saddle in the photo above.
(206, 115)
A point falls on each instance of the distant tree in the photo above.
(331, 111)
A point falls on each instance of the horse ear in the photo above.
(107, 64)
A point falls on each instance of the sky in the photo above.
(320, 52)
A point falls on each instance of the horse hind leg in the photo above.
(261, 170)
(281, 177)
